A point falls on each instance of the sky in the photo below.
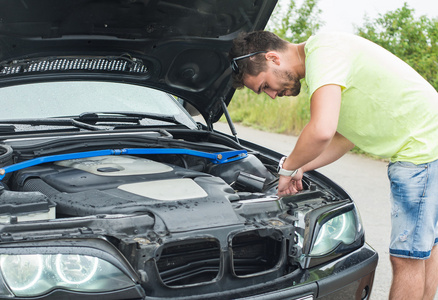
(342, 15)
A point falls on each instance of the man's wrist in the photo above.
(285, 172)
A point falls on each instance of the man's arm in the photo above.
(338, 146)
(319, 132)
(317, 137)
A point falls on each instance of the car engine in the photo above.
(129, 184)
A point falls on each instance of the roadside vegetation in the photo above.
(415, 40)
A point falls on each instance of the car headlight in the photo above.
(340, 229)
(36, 274)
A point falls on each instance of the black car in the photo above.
(110, 189)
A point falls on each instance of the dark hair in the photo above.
(251, 42)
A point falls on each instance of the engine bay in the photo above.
(171, 208)
(198, 180)
(161, 181)
(129, 184)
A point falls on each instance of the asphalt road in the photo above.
(364, 179)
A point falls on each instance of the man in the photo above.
(360, 95)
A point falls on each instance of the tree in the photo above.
(413, 40)
(295, 24)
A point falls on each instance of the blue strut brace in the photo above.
(216, 158)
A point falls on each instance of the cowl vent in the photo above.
(67, 64)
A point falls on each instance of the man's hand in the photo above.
(290, 185)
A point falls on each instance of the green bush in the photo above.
(283, 115)
(414, 40)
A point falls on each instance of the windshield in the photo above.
(72, 98)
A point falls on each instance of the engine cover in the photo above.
(128, 184)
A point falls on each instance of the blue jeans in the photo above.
(414, 209)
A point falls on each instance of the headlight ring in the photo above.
(339, 229)
(29, 275)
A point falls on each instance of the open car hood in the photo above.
(177, 46)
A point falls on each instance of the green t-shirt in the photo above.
(387, 108)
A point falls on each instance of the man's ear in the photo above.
(273, 56)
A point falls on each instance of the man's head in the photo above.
(258, 42)
(263, 62)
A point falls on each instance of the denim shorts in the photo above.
(414, 209)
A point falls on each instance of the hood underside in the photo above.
(182, 45)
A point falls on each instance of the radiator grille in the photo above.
(199, 261)
(189, 262)
(253, 254)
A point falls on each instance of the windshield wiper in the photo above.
(124, 117)
(83, 120)
(51, 122)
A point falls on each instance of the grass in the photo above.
(285, 115)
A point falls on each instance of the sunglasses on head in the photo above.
(234, 65)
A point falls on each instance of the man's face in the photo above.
(274, 82)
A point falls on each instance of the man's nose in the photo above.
(271, 93)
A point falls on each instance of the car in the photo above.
(112, 189)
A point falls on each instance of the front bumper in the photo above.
(349, 277)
